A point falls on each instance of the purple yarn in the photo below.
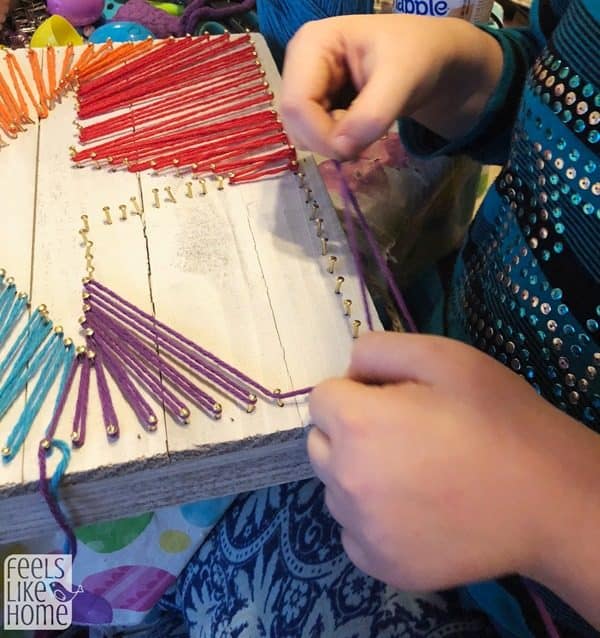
(199, 11)
(51, 502)
(350, 199)
(81, 407)
(108, 409)
(353, 243)
(108, 340)
(173, 337)
(130, 393)
(215, 376)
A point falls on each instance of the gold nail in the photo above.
(86, 224)
(332, 262)
(220, 181)
(107, 217)
(308, 195)
(347, 307)
(111, 430)
(156, 203)
(170, 196)
(202, 182)
(319, 224)
(6, 451)
(355, 328)
(123, 209)
(277, 392)
(189, 192)
(324, 241)
(136, 206)
(338, 285)
(315, 212)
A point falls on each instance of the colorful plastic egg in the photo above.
(78, 12)
(120, 32)
(55, 31)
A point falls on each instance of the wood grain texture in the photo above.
(239, 270)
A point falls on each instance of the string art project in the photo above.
(218, 286)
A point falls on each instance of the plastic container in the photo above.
(473, 10)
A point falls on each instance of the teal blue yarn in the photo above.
(6, 298)
(30, 339)
(25, 368)
(55, 355)
(11, 315)
(280, 19)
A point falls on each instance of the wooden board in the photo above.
(240, 271)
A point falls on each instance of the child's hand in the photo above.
(441, 72)
(443, 467)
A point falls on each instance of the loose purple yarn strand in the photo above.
(349, 196)
(353, 243)
(52, 504)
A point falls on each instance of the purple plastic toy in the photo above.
(79, 13)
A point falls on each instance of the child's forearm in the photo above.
(470, 75)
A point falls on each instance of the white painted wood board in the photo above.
(240, 271)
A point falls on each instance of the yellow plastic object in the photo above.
(55, 32)
(170, 7)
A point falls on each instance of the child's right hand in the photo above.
(439, 71)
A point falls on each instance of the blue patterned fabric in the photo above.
(275, 567)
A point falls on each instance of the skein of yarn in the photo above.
(280, 19)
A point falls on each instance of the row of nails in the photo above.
(170, 198)
(332, 261)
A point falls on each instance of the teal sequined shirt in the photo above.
(526, 288)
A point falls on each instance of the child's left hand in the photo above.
(443, 467)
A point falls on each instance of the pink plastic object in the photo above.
(79, 13)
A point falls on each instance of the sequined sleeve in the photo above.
(489, 139)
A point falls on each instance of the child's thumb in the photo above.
(369, 117)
